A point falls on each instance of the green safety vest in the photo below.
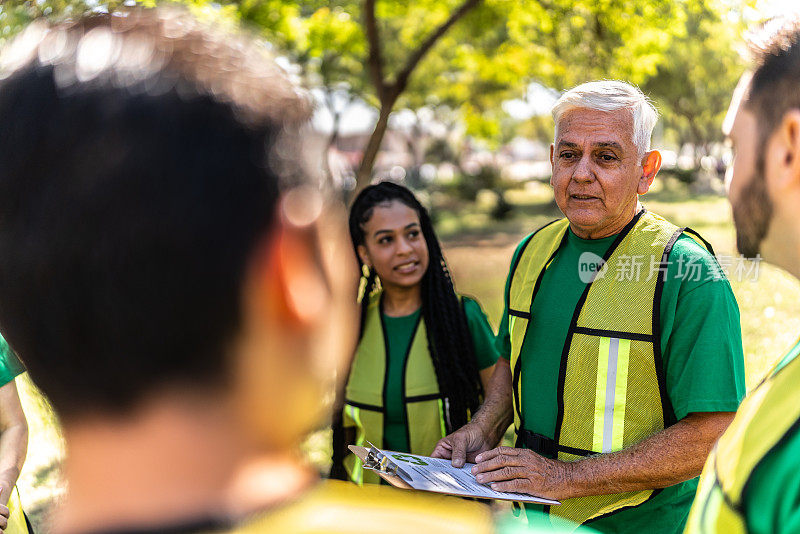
(768, 414)
(611, 386)
(364, 404)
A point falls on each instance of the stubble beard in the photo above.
(753, 213)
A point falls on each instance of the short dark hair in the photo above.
(142, 159)
(775, 84)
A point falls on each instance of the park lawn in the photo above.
(478, 251)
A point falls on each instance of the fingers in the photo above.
(515, 486)
(471, 455)
(443, 450)
(461, 446)
(497, 458)
(3, 517)
(459, 452)
(502, 474)
(488, 455)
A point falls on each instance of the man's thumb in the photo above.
(459, 451)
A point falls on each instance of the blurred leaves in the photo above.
(693, 84)
(681, 52)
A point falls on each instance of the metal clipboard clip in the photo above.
(379, 462)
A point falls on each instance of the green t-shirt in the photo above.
(10, 366)
(399, 330)
(701, 346)
(771, 498)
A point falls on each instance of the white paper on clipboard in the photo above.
(439, 476)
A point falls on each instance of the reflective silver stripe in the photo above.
(611, 388)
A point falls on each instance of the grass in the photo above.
(479, 251)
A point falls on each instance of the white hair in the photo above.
(611, 95)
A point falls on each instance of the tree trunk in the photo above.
(364, 174)
(326, 156)
(388, 93)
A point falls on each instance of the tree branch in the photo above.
(375, 59)
(405, 73)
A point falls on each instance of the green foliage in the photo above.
(572, 41)
(440, 151)
(685, 176)
(538, 127)
(682, 52)
(694, 82)
(466, 186)
(324, 39)
(16, 14)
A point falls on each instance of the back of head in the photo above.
(612, 95)
(148, 155)
(775, 79)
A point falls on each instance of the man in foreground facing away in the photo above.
(166, 279)
(751, 481)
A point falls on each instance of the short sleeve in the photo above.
(502, 342)
(701, 334)
(10, 366)
(481, 332)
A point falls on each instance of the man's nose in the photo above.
(583, 172)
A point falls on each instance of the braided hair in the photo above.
(449, 339)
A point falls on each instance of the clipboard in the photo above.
(387, 475)
(393, 473)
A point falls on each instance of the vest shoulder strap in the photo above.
(538, 249)
(769, 414)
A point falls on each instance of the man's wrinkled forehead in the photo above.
(739, 99)
(619, 120)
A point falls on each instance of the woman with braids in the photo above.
(425, 353)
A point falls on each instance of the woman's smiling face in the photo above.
(395, 246)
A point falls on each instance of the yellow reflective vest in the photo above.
(339, 507)
(364, 404)
(611, 386)
(770, 412)
(17, 521)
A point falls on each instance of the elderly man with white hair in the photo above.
(621, 340)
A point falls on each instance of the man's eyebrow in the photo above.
(608, 144)
(567, 144)
(600, 144)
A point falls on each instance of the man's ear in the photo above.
(552, 161)
(651, 163)
(783, 152)
(290, 283)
